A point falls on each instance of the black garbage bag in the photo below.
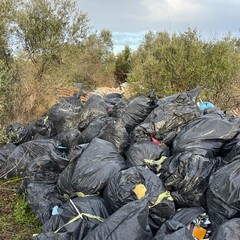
(145, 153)
(187, 215)
(19, 134)
(228, 230)
(230, 148)
(42, 198)
(65, 114)
(113, 98)
(64, 180)
(134, 183)
(173, 230)
(93, 129)
(52, 236)
(94, 108)
(165, 121)
(186, 176)
(206, 135)
(137, 110)
(43, 169)
(215, 110)
(223, 194)
(92, 170)
(68, 138)
(23, 155)
(234, 153)
(77, 217)
(118, 109)
(192, 94)
(182, 225)
(44, 127)
(5, 152)
(129, 222)
(115, 132)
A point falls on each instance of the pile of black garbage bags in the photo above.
(141, 169)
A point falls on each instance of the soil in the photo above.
(10, 229)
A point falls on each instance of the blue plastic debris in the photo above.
(61, 147)
(205, 105)
(55, 210)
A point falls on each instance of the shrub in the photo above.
(172, 63)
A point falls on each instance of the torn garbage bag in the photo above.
(134, 183)
(92, 170)
(223, 194)
(186, 175)
(146, 153)
(165, 120)
(206, 135)
(77, 217)
(129, 222)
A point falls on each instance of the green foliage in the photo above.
(8, 81)
(54, 49)
(123, 65)
(3, 136)
(173, 63)
(17, 221)
(5, 20)
(90, 63)
(44, 26)
(22, 213)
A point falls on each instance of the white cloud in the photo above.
(179, 10)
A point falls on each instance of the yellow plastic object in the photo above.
(162, 196)
(140, 191)
(199, 232)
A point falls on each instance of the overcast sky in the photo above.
(129, 20)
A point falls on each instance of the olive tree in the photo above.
(44, 26)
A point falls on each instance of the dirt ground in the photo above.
(10, 228)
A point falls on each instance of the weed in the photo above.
(17, 222)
